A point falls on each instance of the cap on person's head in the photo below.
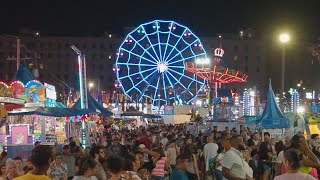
(58, 155)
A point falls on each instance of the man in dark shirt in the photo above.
(179, 172)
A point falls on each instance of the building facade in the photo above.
(57, 62)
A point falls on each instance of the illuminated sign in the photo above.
(50, 91)
(309, 95)
(11, 100)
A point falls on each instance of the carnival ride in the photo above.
(151, 63)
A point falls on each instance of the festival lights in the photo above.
(218, 74)
(294, 101)
(155, 61)
(246, 103)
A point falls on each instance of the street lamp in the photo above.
(284, 39)
(90, 85)
(83, 91)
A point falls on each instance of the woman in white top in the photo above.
(292, 163)
(87, 170)
(172, 153)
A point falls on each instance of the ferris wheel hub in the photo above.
(162, 67)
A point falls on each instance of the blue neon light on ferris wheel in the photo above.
(151, 63)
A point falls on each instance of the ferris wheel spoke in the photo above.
(156, 89)
(177, 81)
(140, 72)
(183, 75)
(189, 45)
(134, 64)
(159, 45)
(169, 80)
(137, 55)
(185, 59)
(142, 80)
(138, 43)
(146, 35)
(165, 49)
(175, 44)
(164, 88)
(179, 67)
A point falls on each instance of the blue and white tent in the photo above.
(94, 106)
(272, 117)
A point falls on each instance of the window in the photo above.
(246, 48)
(111, 46)
(101, 46)
(246, 69)
(67, 45)
(50, 44)
(93, 45)
(258, 60)
(258, 69)
(58, 45)
(66, 66)
(84, 45)
(101, 67)
(93, 56)
(101, 78)
(49, 55)
(93, 67)
(246, 59)
(235, 48)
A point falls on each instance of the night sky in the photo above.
(205, 17)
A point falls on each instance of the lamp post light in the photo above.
(90, 85)
(204, 62)
(284, 39)
(83, 92)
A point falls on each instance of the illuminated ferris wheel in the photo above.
(151, 63)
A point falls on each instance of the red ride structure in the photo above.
(214, 73)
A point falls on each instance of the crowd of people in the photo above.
(172, 152)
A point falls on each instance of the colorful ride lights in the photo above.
(140, 31)
(187, 34)
(197, 44)
(172, 27)
(156, 25)
(119, 53)
(117, 84)
(202, 61)
(128, 40)
(115, 68)
(218, 52)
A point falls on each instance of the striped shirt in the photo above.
(159, 169)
